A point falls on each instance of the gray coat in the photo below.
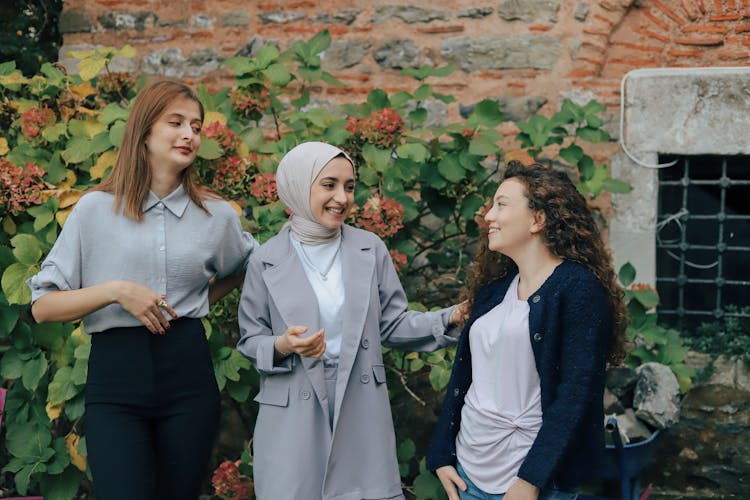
(296, 455)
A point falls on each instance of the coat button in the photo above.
(536, 298)
(365, 378)
(306, 394)
(365, 343)
(456, 392)
(538, 337)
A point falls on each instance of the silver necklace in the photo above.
(323, 274)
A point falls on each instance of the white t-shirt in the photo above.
(502, 413)
(329, 292)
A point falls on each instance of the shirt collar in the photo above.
(176, 201)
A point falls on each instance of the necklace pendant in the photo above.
(323, 277)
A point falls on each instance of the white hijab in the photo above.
(297, 171)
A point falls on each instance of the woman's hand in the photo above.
(459, 313)
(450, 479)
(309, 347)
(145, 304)
(521, 490)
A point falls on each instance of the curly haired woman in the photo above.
(522, 418)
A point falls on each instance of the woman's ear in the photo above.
(540, 219)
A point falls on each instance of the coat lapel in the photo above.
(358, 264)
(296, 302)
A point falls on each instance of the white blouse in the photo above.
(316, 259)
(502, 413)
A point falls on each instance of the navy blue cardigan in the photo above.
(570, 327)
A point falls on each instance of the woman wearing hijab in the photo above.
(319, 300)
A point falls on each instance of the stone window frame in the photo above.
(678, 111)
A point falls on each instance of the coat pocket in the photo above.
(378, 372)
(273, 394)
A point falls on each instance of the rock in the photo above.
(255, 43)
(398, 54)
(611, 403)
(656, 395)
(631, 428)
(202, 62)
(437, 113)
(346, 16)
(529, 10)
(409, 14)
(476, 13)
(235, 18)
(74, 21)
(166, 62)
(201, 21)
(723, 372)
(126, 20)
(742, 381)
(621, 381)
(502, 52)
(574, 46)
(344, 53)
(581, 12)
(280, 17)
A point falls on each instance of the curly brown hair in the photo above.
(569, 232)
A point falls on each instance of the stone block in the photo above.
(346, 16)
(476, 13)
(344, 54)
(74, 21)
(581, 12)
(502, 52)
(657, 395)
(409, 14)
(280, 17)
(397, 54)
(529, 10)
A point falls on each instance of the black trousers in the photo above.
(152, 411)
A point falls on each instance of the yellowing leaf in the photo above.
(53, 411)
(14, 78)
(9, 225)
(3, 146)
(90, 67)
(106, 160)
(236, 207)
(62, 215)
(71, 443)
(70, 180)
(127, 51)
(87, 111)
(83, 90)
(243, 151)
(213, 117)
(412, 355)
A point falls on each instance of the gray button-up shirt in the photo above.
(175, 250)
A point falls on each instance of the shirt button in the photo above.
(161, 248)
(365, 343)
(538, 337)
(160, 205)
(306, 394)
(365, 378)
(536, 299)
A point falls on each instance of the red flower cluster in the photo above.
(230, 483)
(263, 188)
(35, 119)
(225, 137)
(250, 103)
(230, 176)
(399, 261)
(382, 216)
(382, 128)
(20, 186)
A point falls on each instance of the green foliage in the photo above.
(418, 188)
(30, 34)
(653, 342)
(729, 336)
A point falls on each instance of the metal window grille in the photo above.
(703, 239)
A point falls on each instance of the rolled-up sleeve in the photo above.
(61, 269)
(235, 250)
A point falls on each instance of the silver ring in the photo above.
(162, 303)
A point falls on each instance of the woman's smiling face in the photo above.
(332, 193)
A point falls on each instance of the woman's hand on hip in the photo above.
(143, 303)
(291, 341)
(521, 490)
(451, 480)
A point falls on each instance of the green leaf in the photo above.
(278, 74)
(61, 486)
(8, 318)
(113, 112)
(53, 133)
(439, 377)
(116, 133)
(367, 175)
(51, 336)
(423, 92)
(573, 111)
(626, 274)
(26, 249)
(483, 146)
(42, 216)
(418, 116)
(592, 134)
(14, 282)
(616, 186)
(336, 134)
(11, 365)
(89, 67)
(33, 371)
(414, 151)
(243, 65)
(28, 441)
(62, 387)
(486, 112)
(428, 487)
(78, 150)
(406, 450)
(376, 157)
(450, 168)
(648, 298)
(210, 149)
(319, 42)
(87, 129)
(470, 205)
(572, 154)
(378, 99)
